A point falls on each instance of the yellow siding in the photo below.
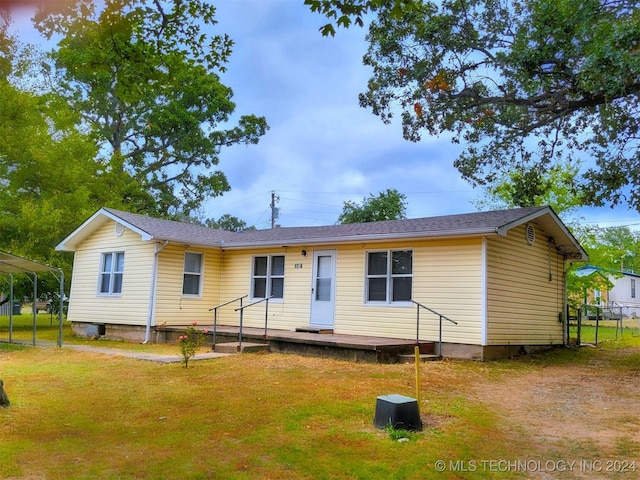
(131, 307)
(447, 278)
(172, 308)
(289, 313)
(522, 303)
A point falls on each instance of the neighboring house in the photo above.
(623, 298)
(500, 275)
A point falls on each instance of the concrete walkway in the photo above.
(153, 357)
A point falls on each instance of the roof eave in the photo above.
(71, 242)
(577, 253)
(504, 229)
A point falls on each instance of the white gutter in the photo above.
(152, 294)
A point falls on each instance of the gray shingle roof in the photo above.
(173, 231)
(480, 223)
(449, 225)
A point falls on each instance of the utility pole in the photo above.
(275, 211)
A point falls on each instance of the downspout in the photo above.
(565, 305)
(152, 293)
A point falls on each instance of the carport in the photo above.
(11, 265)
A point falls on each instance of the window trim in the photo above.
(200, 274)
(268, 277)
(112, 272)
(633, 288)
(389, 276)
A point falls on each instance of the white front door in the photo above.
(323, 288)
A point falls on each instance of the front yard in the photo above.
(82, 415)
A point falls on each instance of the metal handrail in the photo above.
(266, 314)
(215, 314)
(441, 316)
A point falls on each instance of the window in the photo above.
(389, 276)
(268, 277)
(192, 280)
(111, 271)
(633, 288)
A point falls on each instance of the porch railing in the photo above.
(441, 317)
(266, 316)
(215, 313)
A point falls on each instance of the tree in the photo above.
(230, 223)
(521, 83)
(43, 193)
(536, 186)
(50, 173)
(612, 250)
(143, 76)
(388, 205)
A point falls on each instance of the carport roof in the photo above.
(13, 264)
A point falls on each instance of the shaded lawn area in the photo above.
(80, 415)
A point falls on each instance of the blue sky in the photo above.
(322, 148)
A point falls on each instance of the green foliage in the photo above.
(398, 434)
(143, 77)
(230, 223)
(388, 205)
(524, 85)
(346, 13)
(536, 186)
(613, 250)
(127, 112)
(48, 173)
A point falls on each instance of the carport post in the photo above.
(34, 306)
(60, 316)
(11, 308)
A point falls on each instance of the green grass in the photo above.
(76, 415)
(82, 415)
(47, 329)
(606, 332)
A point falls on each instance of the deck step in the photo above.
(236, 347)
(320, 330)
(424, 357)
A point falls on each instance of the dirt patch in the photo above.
(593, 408)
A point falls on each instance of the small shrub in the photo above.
(190, 342)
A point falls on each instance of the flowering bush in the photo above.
(190, 342)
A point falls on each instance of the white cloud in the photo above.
(322, 148)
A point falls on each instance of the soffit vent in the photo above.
(530, 234)
(119, 229)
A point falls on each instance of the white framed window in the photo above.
(633, 288)
(267, 276)
(597, 296)
(111, 273)
(389, 276)
(192, 276)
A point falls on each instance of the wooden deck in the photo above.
(357, 348)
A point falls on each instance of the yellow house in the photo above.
(500, 275)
